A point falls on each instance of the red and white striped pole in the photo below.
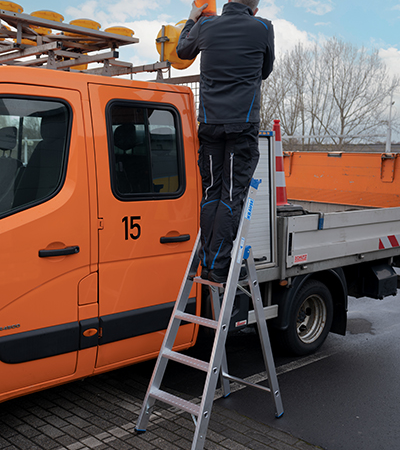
(281, 196)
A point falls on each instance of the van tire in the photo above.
(310, 319)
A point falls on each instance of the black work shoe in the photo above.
(221, 275)
(218, 275)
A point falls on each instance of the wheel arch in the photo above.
(333, 279)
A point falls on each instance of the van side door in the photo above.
(44, 235)
(148, 207)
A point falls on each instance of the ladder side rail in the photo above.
(183, 297)
(263, 332)
(169, 339)
(216, 309)
(223, 322)
(121, 70)
(82, 59)
(31, 51)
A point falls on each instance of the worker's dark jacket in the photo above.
(237, 52)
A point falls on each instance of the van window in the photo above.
(33, 143)
(144, 151)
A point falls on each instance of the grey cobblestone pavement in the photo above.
(100, 413)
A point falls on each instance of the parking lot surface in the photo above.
(344, 397)
(101, 412)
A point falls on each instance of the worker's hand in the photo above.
(196, 12)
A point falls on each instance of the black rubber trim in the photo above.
(38, 344)
(129, 324)
(57, 340)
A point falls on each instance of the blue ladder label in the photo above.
(249, 211)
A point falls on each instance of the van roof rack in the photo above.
(38, 42)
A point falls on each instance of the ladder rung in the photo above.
(197, 320)
(207, 282)
(178, 402)
(187, 360)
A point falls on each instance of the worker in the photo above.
(237, 53)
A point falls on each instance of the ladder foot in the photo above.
(137, 431)
(278, 416)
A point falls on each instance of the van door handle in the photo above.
(171, 239)
(59, 251)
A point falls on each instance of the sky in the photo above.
(372, 24)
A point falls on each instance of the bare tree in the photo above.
(282, 92)
(359, 85)
(336, 90)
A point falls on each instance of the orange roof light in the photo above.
(10, 6)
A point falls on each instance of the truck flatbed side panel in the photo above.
(262, 233)
(344, 234)
(365, 179)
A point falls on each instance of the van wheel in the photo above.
(310, 319)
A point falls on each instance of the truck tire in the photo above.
(310, 319)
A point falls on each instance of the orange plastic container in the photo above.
(49, 15)
(10, 6)
(123, 31)
(85, 23)
(211, 9)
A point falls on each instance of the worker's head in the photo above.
(250, 3)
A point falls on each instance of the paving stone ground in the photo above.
(100, 413)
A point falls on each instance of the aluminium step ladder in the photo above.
(217, 366)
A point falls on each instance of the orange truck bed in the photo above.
(362, 179)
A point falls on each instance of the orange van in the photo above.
(88, 257)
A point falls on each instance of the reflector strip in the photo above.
(389, 242)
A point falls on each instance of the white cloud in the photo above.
(317, 7)
(113, 13)
(287, 35)
(269, 11)
(391, 57)
(145, 51)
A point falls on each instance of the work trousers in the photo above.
(228, 156)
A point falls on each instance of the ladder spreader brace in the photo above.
(67, 46)
(217, 366)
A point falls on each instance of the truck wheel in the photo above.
(310, 319)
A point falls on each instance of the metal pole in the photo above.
(389, 131)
